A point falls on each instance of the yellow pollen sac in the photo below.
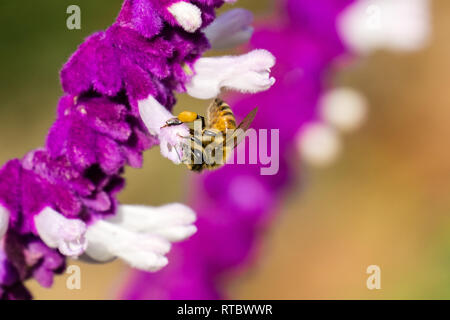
(187, 116)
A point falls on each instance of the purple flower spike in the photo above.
(61, 200)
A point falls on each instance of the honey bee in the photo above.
(218, 135)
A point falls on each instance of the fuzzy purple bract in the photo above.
(97, 132)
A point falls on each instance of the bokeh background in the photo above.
(386, 201)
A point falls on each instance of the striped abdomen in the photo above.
(222, 117)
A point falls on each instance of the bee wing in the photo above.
(239, 134)
(245, 124)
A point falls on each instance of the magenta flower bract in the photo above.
(235, 203)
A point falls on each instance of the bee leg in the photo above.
(184, 137)
(172, 122)
(198, 156)
(203, 121)
(178, 154)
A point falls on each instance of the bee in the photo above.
(218, 135)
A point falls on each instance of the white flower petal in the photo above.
(173, 222)
(344, 108)
(107, 240)
(245, 73)
(177, 233)
(187, 15)
(402, 25)
(154, 115)
(68, 235)
(4, 220)
(140, 235)
(230, 29)
(319, 145)
(97, 251)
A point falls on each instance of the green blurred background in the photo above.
(386, 201)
